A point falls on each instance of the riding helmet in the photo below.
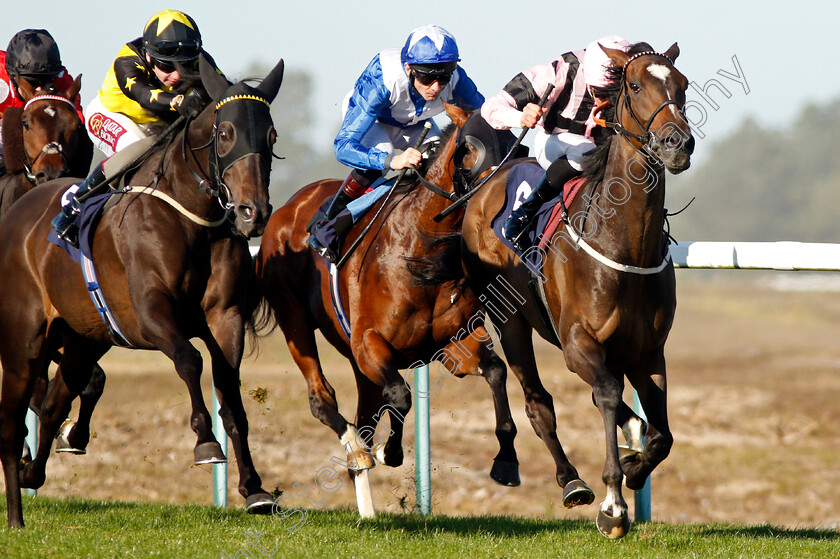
(172, 36)
(596, 62)
(431, 49)
(33, 54)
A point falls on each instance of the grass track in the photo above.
(86, 528)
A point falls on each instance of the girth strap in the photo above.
(98, 299)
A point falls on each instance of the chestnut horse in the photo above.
(396, 319)
(173, 264)
(612, 304)
(43, 140)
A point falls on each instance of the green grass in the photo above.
(84, 528)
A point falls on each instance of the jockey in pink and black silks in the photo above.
(564, 124)
(398, 92)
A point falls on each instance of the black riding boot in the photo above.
(349, 191)
(65, 222)
(557, 174)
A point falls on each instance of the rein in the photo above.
(645, 140)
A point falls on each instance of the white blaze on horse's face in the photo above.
(50, 112)
(662, 72)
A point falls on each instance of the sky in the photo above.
(764, 60)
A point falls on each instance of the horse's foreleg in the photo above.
(585, 357)
(652, 390)
(226, 347)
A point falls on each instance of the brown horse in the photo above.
(612, 304)
(43, 140)
(173, 264)
(395, 319)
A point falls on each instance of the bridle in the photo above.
(49, 148)
(213, 183)
(647, 138)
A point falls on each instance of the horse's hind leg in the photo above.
(73, 437)
(539, 405)
(72, 375)
(18, 380)
(477, 359)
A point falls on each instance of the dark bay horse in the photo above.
(44, 140)
(394, 321)
(173, 264)
(607, 283)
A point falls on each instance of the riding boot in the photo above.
(557, 174)
(351, 188)
(65, 222)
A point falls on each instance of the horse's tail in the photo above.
(259, 318)
(442, 262)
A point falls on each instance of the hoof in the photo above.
(577, 493)
(613, 528)
(626, 452)
(259, 503)
(62, 439)
(506, 473)
(209, 453)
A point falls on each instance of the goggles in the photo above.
(429, 78)
(168, 67)
(176, 50)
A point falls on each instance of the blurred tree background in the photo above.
(761, 184)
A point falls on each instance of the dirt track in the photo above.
(754, 380)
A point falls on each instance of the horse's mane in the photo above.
(595, 162)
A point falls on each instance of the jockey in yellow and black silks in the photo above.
(152, 81)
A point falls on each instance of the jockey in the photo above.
(32, 55)
(387, 109)
(564, 124)
(152, 81)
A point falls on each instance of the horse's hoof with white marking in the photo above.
(611, 527)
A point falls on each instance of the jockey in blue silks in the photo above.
(387, 109)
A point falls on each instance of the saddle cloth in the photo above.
(521, 180)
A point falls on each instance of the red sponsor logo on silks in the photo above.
(106, 129)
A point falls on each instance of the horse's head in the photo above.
(241, 146)
(652, 108)
(51, 133)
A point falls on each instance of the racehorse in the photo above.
(44, 140)
(611, 305)
(173, 264)
(396, 315)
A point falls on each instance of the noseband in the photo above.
(214, 184)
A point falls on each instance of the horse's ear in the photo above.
(75, 88)
(26, 91)
(215, 83)
(673, 52)
(456, 114)
(618, 57)
(271, 84)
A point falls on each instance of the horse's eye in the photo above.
(25, 124)
(634, 87)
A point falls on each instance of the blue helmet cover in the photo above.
(430, 44)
